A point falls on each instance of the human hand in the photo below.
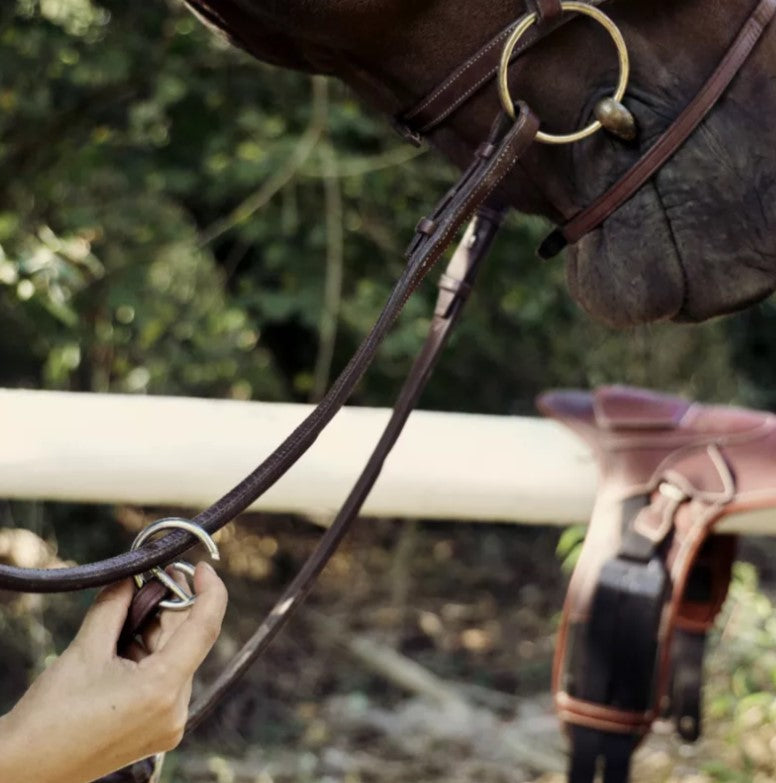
(92, 712)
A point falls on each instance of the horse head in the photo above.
(696, 241)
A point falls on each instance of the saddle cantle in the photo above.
(650, 578)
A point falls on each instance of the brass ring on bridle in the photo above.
(523, 27)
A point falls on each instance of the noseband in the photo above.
(514, 131)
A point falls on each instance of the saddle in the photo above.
(651, 576)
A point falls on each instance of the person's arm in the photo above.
(91, 712)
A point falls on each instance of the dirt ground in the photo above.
(423, 655)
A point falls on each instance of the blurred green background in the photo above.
(171, 212)
(176, 218)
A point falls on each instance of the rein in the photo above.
(473, 198)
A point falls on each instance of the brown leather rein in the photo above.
(473, 196)
(432, 240)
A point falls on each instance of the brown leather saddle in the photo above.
(651, 576)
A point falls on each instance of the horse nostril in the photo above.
(616, 119)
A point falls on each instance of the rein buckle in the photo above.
(183, 599)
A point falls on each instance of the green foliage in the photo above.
(171, 212)
(742, 672)
(569, 547)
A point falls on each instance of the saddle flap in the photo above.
(624, 408)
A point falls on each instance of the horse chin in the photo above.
(693, 261)
(623, 283)
(697, 241)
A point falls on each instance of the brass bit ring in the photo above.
(524, 26)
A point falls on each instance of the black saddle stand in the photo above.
(612, 662)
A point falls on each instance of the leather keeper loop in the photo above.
(485, 150)
(426, 226)
(548, 10)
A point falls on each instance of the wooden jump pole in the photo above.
(175, 451)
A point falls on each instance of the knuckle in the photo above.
(148, 694)
(172, 739)
(157, 696)
(160, 674)
(164, 668)
(175, 730)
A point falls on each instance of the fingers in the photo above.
(135, 652)
(103, 622)
(190, 642)
(166, 622)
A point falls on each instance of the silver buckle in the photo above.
(183, 599)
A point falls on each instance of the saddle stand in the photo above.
(651, 577)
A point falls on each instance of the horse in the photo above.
(706, 209)
(685, 163)
(708, 214)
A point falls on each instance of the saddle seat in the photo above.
(650, 578)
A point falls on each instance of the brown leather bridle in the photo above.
(480, 70)
(472, 198)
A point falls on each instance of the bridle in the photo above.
(473, 199)
(491, 63)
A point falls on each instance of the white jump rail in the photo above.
(175, 451)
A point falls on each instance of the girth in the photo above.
(651, 578)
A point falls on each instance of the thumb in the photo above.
(191, 641)
(102, 625)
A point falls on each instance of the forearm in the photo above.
(33, 752)
(26, 758)
(92, 712)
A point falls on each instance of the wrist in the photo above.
(12, 765)
(24, 755)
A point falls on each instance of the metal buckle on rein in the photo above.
(183, 600)
(610, 112)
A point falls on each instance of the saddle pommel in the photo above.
(616, 408)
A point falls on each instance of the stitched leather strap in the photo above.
(493, 163)
(463, 268)
(667, 145)
(454, 288)
(470, 193)
(475, 74)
